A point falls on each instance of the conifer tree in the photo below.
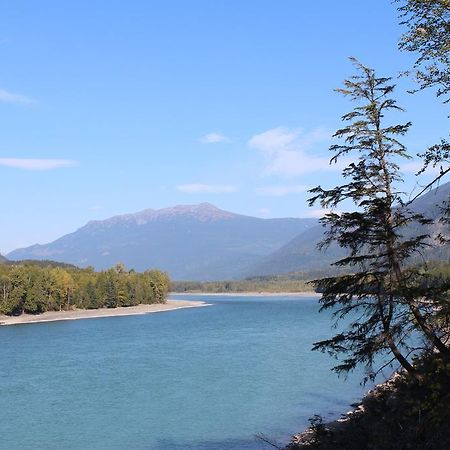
(427, 36)
(375, 234)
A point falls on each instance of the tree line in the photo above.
(34, 288)
(291, 282)
(272, 284)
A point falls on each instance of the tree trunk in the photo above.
(428, 331)
(386, 322)
(400, 358)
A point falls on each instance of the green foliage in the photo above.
(35, 288)
(375, 235)
(411, 411)
(428, 36)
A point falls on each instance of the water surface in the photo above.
(201, 378)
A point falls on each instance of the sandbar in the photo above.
(53, 316)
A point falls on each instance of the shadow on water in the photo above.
(228, 444)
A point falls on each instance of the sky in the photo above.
(110, 107)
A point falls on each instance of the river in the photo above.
(203, 378)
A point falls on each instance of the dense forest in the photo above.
(31, 287)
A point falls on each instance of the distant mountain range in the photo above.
(196, 242)
(301, 254)
(202, 242)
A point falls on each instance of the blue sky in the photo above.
(109, 107)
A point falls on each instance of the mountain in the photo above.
(298, 255)
(202, 242)
(2, 259)
(195, 242)
(301, 253)
(429, 204)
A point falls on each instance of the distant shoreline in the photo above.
(250, 294)
(77, 314)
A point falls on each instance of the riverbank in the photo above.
(405, 412)
(53, 316)
(250, 294)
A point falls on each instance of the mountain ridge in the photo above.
(200, 242)
(204, 243)
(203, 211)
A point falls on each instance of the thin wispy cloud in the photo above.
(10, 97)
(278, 191)
(287, 151)
(213, 138)
(36, 164)
(264, 211)
(198, 188)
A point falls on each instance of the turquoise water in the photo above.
(202, 378)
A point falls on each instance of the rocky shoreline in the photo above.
(402, 413)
